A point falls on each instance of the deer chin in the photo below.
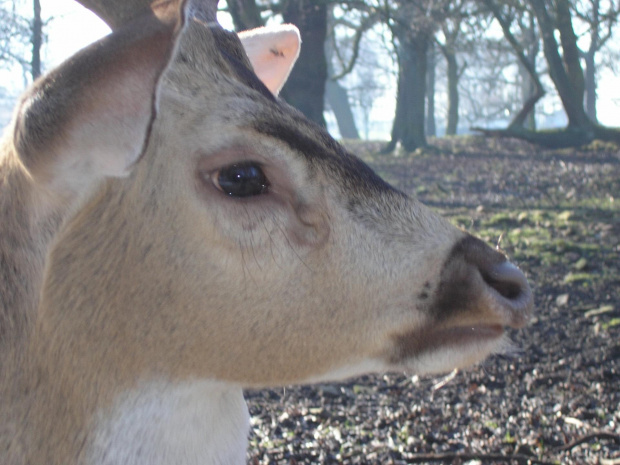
(443, 349)
(428, 351)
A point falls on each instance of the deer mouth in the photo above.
(462, 335)
(418, 343)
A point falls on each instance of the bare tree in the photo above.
(413, 25)
(530, 86)
(600, 17)
(504, 15)
(37, 39)
(431, 73)
(342, 50)
(14, 35)
(555, 21)
(305, 88)
(457, 31)
(246, 14)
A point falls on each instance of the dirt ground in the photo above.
(556, 400)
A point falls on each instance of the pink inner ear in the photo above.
(272, 52)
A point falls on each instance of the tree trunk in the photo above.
(595, 45)
(337, 96)
(591, 86)
(305, 88)
(338, 100)
(529, 87)
(528, 90)
(453, 93)
(431, 128)
(408, 126)
(37, 40)
(245, 14)
(566, 73)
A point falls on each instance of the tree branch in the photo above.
(587, 438)
(366, 24)
(529, 105)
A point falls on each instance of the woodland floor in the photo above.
(557, 401)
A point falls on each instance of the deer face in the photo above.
(248, 246)
(171, 232)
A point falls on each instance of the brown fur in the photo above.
(160, 276)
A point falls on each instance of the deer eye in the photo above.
(244, 179)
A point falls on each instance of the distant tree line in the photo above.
(542, 37)
(488, 59)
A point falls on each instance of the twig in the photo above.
(610, 461)
(447, 457)
(586, 438)
(493, 458)
(444, 381)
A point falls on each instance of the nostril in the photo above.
(498, 273)
(507, 280)
(508, 289)
(477, 276)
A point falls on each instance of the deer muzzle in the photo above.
(478, 284)
(479, 294)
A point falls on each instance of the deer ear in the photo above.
(272, 51)
(90, 118)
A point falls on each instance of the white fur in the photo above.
(192, 423)
(363, 367)
(445, 358)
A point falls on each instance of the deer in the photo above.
(172, 233)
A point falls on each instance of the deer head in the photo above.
(187, 235)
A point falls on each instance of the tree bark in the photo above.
(305, 88)
(453, 92)
(528, 90)
(590, 77)
(590, 82)
(245, 14)
(37, 40)
(566, 74)
(338, 100)
(529, 87)
(408, 126)
(337, 96)
(451, 30)
(431, 128)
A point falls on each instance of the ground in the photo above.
(557, 399)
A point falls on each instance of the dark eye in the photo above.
(242, 180)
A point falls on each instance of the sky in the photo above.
(70, 27)
(74, 27)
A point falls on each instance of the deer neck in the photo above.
(200, 422)
(29, 220)
(153, 423)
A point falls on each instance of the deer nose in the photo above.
(509, 287)
(479, 282)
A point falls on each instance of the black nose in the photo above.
(478, 279)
